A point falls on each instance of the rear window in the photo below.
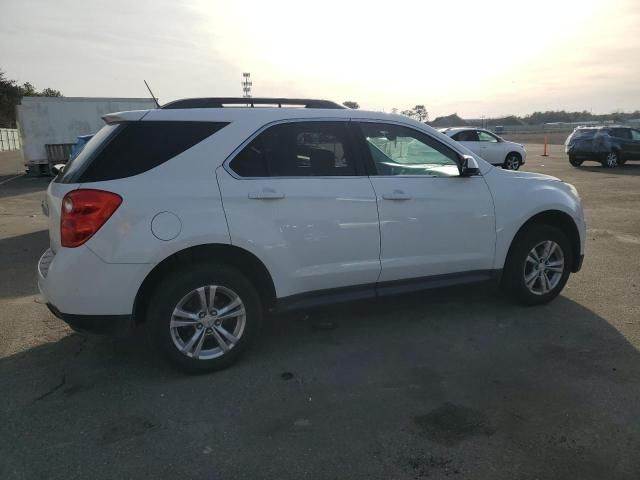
(124, 150)
(74, 167)
(582, 134)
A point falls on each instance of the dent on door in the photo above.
(311, 233)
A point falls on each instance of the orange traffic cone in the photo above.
(544, 154)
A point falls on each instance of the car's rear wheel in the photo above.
(611, 159)
(512, 162)
(205, 317)
(538, 265)
(574, 161)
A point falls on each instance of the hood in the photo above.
(517, 174)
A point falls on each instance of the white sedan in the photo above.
(489, 146)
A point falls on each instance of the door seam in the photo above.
(375, 194)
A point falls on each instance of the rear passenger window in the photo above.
(622, 133)
(140, 146)
(301, 149)
(466, 136)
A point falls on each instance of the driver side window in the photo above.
(398, 150)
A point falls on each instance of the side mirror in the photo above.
(57, 168)
(468, 166)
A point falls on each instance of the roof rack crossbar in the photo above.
(220, 102)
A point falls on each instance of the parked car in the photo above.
(489, 146)
(194, 219)
(611, 146)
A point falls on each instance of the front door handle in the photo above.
(396, 195)
(266, 194)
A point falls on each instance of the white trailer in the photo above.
(54, 124)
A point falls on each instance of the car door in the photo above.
(296, 196)
(433, 222)
(624, 139)
(492, 149)
(635, 139)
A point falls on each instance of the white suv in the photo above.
(489, 146)
(197, 217)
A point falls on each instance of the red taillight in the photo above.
(83, 213)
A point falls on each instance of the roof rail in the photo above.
(221, 102)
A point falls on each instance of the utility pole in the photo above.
(246, 85)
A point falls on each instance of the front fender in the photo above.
(519, 196)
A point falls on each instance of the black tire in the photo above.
(574, 161)
(516, 265)
(173, 290)
(513, 161)
(611, 159)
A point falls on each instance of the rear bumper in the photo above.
(76, 282)
(99, 324)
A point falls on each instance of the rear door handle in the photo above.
(266, 194)
(396, 195)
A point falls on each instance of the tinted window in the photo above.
(584, 134)
(466, 136)
(299, 149)
(622, 133)
(136, 147)
(398, 150)
(635, 134)
(74, 167)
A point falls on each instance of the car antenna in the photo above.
(152, 95)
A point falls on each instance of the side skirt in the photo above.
(373, 290)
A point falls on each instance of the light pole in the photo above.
(246, 85)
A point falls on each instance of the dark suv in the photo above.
(610, 146)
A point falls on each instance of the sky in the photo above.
(475, 58)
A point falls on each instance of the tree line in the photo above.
(11, 93)
(553, 116)
(420, 113)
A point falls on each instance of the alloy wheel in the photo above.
(544, 267)
(612, 160)
(512, 162)
(208, 322)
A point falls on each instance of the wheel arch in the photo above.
(513, 152)
(557, 219)
(237, 257)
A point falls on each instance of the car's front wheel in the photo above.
(538, 265)
(512, 162)
(205, 316)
